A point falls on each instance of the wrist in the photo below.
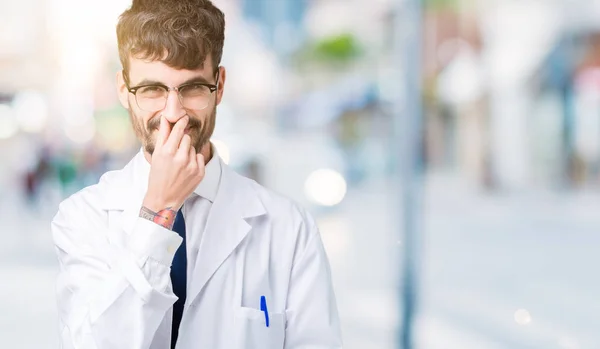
(156, 203)
(164, 217)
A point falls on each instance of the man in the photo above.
(176, 250)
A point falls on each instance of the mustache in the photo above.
(154, 123)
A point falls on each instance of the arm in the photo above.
(312, 315)
(111, 297)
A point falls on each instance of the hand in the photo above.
(176, 169)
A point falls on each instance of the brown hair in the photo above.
(185, 30)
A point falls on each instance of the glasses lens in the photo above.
(195, 96)
(151, 98)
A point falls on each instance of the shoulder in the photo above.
(85, 207)
(279, 206)
(285, 218)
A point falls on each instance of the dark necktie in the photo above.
(178, 277)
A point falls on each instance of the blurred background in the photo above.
(490, 109)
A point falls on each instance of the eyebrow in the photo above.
(197, 79)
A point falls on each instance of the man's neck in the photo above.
(206, 152)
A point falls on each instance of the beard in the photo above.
(199, 132)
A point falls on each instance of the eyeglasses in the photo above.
(153, 97)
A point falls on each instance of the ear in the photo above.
(221, 86)
(122, 90)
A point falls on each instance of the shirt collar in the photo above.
(209, 185)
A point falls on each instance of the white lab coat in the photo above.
(114, 289)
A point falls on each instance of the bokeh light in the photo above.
(81, 133)
(31, 111)
(522, 317)
(8, 124)
(325, 187)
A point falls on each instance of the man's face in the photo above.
(145, 124)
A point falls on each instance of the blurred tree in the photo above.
(441, 4)
(343, 47)
(334, 50)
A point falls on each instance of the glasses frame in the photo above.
(133, 90)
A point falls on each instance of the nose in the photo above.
(173, 110)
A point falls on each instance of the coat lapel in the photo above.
(226, 227)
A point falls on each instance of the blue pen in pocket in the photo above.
(263, 308)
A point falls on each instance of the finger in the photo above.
(163, 132)
(192, 156)
(177, 133)
(184, 146)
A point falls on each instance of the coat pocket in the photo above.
(252, 331)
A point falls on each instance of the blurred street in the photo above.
(496, 104)
(482, 264)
